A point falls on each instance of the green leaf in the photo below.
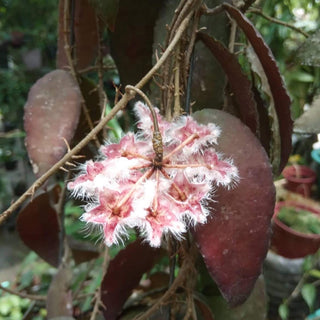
(283, 311)
(308, 263)
(300, 76)
(114, 125)
(315, 273)
(308, 293)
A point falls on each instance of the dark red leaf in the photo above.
(124, 274)
(85, 35)
(51, 115)
(38, 226)
(240, 85)
(280, 96)
(235, 240)
(132, 40)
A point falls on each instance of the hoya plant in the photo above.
(172, 169)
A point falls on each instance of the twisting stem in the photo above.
(189, 84)
(274, 20)
(95, 68)
(232, 38)
(149, 104)
(211, 11)
(119, 106)
(23, 295)
(166, 53)
(175, 285)
(177, 107)
(189, 56)
(98, 303)
(157, 138)
(61, 214)
(246, 5)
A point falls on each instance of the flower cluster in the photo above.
(127, 188)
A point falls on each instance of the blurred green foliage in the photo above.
(24, 26)
(303, 82)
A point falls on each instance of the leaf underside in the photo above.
(235, 240)
(51, 117)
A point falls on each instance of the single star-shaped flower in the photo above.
(158, 185)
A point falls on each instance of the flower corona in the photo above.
(133, 186)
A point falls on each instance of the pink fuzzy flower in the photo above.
(129, 188)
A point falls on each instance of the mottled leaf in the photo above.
(279, 93)
(107, 10)
(38, 226)
(85, 34)
(123, 275)
(51, 115)
(308, 53)
(235, 240)
(132, 40)
(309, 122)
(59, 297)
(240, 85)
